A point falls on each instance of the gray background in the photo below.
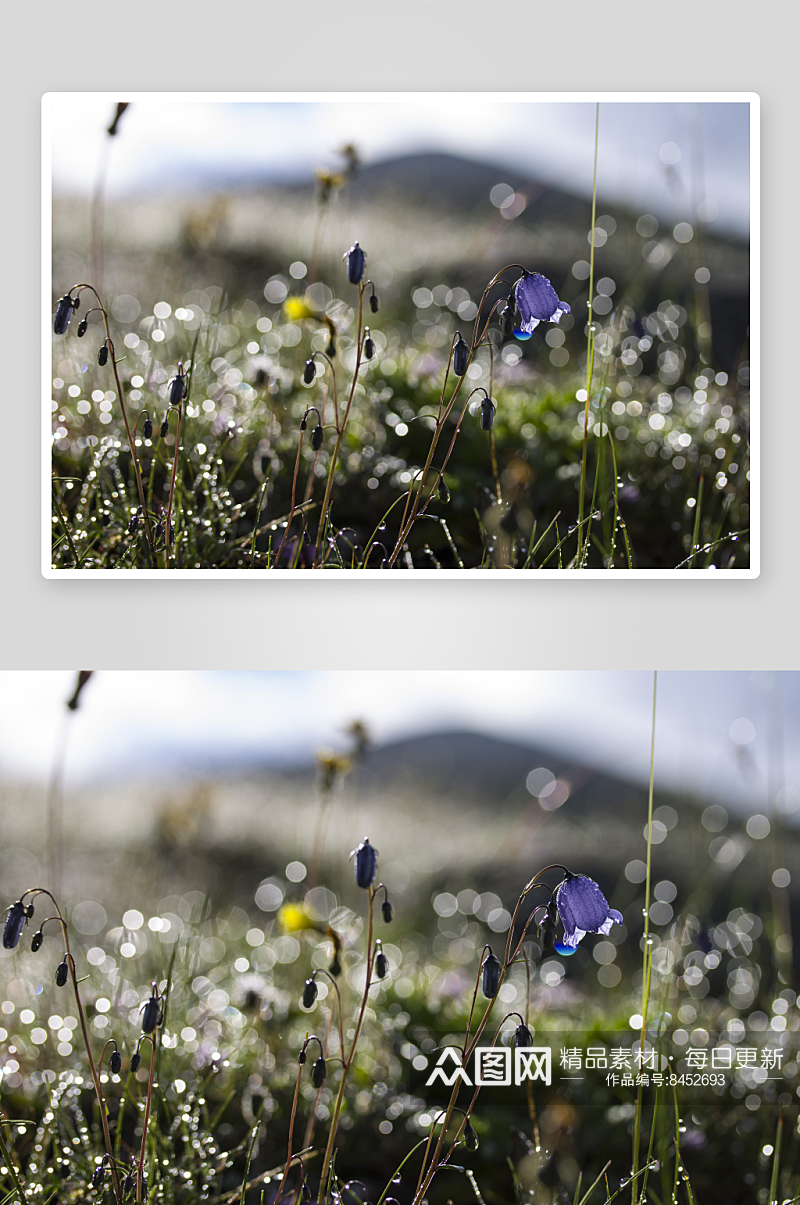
(236, 46)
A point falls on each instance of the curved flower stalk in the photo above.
(17, 917)
(537, 301)
(582, 908)
(66, 307)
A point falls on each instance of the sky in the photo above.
(656, 156)
(727, 735)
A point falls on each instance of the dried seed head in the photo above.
(62, 970)
(460, 356)
(309, 372)
(310, 992)
(115, 1062)
(36, 940)
(366, 863)
(148, 429)
(102, 356)
(317, 436)
(15, 919)
(491, 976)
(318, 1072)
(356, 262)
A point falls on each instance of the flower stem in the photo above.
(582, 546)
(637, 1129)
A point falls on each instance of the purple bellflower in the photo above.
(583, 909)
(537, 301)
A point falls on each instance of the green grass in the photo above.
(667, 477)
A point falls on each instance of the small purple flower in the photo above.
(537, 301)
(583, 909)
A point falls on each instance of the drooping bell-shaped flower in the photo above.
(460, 356)
(583, 909)
(537, 301)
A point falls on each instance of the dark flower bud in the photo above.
(136, 1062)
(460, 356)
(165, 428)
(366, 863)
(373, 302)
(442, 491)
(133, 526)
(381, 965)
(303, 423)
(301, 1057)
(487, 414)
(158, 530)
(330, 350)
(522, 1036)
(335, 968)
(62, 970)
(15, 919)
(491, 976)
(36, 940)
(305, 1194)
(507, 319)
(309, 372)
(310, 993)
(98, 1175)
(177, 390)
(129, 1182)
(64, 311)
(102, 356)
(83, 326)
(470, 1137)
(356, 262)
(388, 913)
(29, 910)
(316, 437)
(150, 1015)
(148, 429)
(547, 928)
(76, 303)
(318, 1073)
(115, 1062)
(369, 346)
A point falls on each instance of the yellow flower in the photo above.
(297, 308)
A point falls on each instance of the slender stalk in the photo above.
(589, 352)
(291, 1134)
(65, 529)
(10, 1165)
(637, 1129)
(291, 508)
(145, 1126)
(340, 429)
(34, 891)
(168, 533)
(337, 1108)
(131, 444)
